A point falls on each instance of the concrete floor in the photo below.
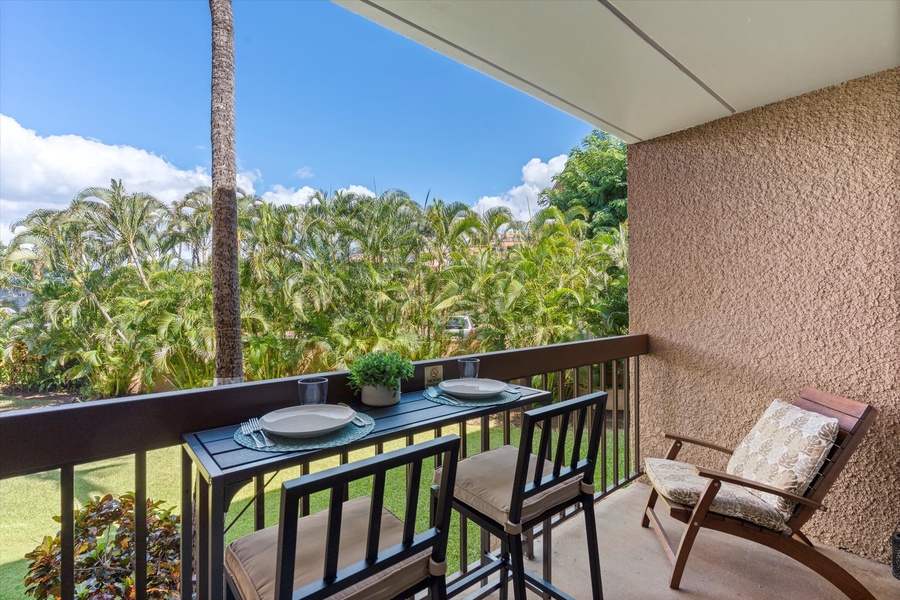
(720, 567)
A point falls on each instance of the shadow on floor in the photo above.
(634, 565)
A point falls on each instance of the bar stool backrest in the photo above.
(336, 481)
(565, 454)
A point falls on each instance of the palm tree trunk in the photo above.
(137, 263)
(226, 286)
(105, 314)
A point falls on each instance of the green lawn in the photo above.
(27, 503)
(11, 403)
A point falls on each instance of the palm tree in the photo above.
(125, 224)
(449, 226)
(192, 224)
(43, 240)
(225, 276)
(320, 284)
(178, 318)
(385, 229)
(57, 241)
(613, 306)
(267, 240)
(494, 223)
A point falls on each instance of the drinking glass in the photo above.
(313, 390)
(468, 368)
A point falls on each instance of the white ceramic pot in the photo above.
(378, 395)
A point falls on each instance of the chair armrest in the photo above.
(748, 483)
(697, 442)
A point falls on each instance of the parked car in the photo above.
(461, 326)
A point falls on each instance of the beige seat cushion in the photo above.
(485, 482)
(679, 481)
(250, 560)
(785, 450)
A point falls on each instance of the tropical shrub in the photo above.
(104, 553)
(595, 178)
(21, 367)
(122, 295)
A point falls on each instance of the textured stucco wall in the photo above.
(764, 254)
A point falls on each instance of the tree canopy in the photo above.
(121, 294)
(595, 178)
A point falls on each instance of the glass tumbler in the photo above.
(468, 368)
(313, 390)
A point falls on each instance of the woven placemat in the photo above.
(439, 397)
(346, 434)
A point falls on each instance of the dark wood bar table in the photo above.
(224, 467)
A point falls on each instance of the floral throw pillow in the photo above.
(785, 449)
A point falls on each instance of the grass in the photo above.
(17, 401)
(13, 403)
(27, 503)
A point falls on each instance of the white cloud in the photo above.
(245, 180)
(522, 199)
(47, 172)
(279, 194)
(359, 190)
(304, 172)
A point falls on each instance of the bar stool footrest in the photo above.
(471, 578)
(539, 586)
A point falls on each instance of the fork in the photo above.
(248, 431)
(255, 425)
(437, 393)
(356, 419)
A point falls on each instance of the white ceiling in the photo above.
(643, 68)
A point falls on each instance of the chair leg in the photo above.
(590, 528)
(432, 509)
(651, 503)
(517, 559)
(690, 532)
(825, 567)
(437, 589)
(547, 558)
(504, 572)
(801, 537)
(229, 593)
(684, 549)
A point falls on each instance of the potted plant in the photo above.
(378, 375)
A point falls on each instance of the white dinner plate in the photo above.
(307, 421)
(472, 388)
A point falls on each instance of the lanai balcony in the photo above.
(633, 564)
(763, 256)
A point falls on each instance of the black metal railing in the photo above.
(67, 439)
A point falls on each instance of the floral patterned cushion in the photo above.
(785, 449)
(679, 481)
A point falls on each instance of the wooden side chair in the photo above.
(776, 479)
(356, 549)
(508, 491)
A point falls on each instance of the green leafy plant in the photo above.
(24, 369)
(596, 178)
(104, 553)
(121, 294)
(387, 369)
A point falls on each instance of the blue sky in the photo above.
(325, 100)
